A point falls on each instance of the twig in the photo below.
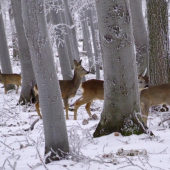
(6, 145)
(41, 159)
(163, 121)
(32, 125)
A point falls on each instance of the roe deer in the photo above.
(154, 95)
(94, 90)
(68, 87)
(6, 79)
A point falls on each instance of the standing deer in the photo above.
(6, 79)
(94, 90)
(68, 87)
(154, 95)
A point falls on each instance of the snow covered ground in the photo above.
(24, 150)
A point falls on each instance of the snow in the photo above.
(25, 149)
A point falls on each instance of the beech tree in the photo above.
(140, 35)
(28, 77)
(56, 139)
(4, 53)
(121, 99)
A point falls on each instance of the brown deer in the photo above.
(154, 95)
(6, 79)
(68, 87)
(94, 90)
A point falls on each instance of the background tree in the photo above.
(157, 14)
(61, 45)
(56, 140)
(86, 39)
(140, 35)
(4, 53)
(121, 100)
(92, 27)
(28, 78)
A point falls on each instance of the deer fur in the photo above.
(6, 79)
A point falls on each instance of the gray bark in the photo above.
(157, 14)
(61, 46)
(66, 36)
(14, 34)
(87, 41)
(140, 35)
(4, 53)
(56, 139)
(72, 30)
(121, 100)
(94, 44)
(28, 77)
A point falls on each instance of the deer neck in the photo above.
(76, 79)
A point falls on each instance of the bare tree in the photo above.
(121, 99)
(28, 77)
(56, 140)
(60, 42)
(140, 35)
(4, 53)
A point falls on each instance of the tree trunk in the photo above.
(140, 35)
(56, 140)
(4, 53)
(121, 98)
(157, 13)
(28, 77)
(72, 30)
(67, 35)
(61, 45)
(87, 41)
(14, 34)
(94, 44)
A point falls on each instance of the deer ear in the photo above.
(144, 73)
(75, 63)
(80, 62)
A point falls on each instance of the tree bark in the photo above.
(28, 77)
(61, 45)
(4, 53)
(56, 140)
(140, 35)
(157, 14)
(94, 44)
(121, 98)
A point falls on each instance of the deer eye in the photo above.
(140, 82)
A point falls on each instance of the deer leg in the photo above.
(145, 111)
(17, 89)
(5, 86)
(66, 107)
(88, 108)
(78, 103)
(37, 106)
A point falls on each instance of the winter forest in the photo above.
(84, 85)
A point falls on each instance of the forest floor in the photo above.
(24, 150)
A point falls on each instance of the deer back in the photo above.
(93, 89)
(156, 94)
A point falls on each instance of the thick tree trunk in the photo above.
(157, 13)
(121, 99)
(28, 77)
(140, 35)
(56, 140)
